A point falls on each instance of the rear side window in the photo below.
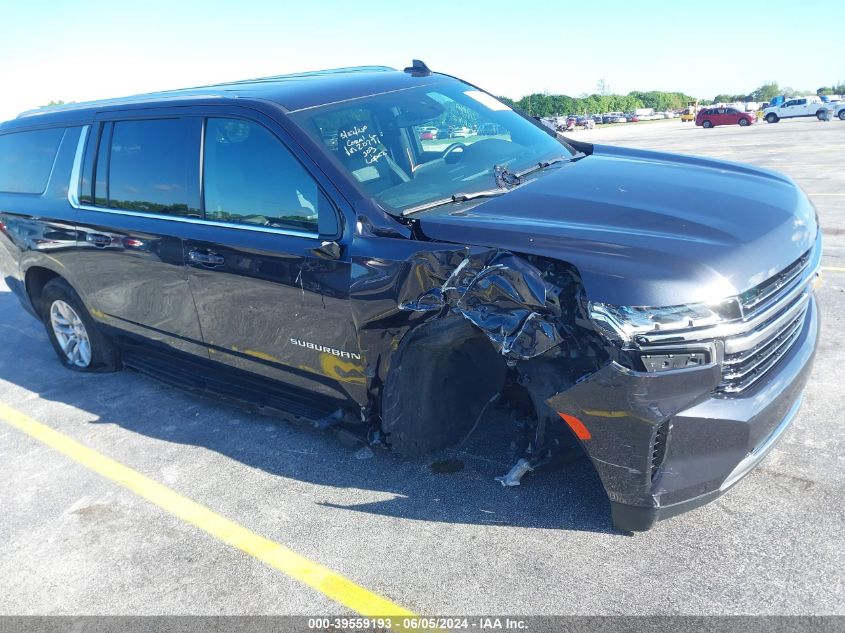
(250, 177)
(26, 160)
(150, 165)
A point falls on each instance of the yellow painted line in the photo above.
(835, 269)
(329, 583)
(607, 414)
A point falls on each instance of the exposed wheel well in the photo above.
(36, 278)
(443, 375)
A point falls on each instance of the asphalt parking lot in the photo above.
(75, 542)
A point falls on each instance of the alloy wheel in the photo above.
(70, 332)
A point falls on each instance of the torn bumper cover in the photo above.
(663, 444)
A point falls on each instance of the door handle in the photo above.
(206, 259)
(98, 239)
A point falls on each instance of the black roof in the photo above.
(293, 92)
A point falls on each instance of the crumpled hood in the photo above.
(646, 228)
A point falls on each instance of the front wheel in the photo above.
(707, 124)
(771, 117)
(842, 114)
(77, 341)
(743, 122)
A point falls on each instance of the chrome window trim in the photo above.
(73, 199)
(73, 186)
(189, 220)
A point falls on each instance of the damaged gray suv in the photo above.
(327, 246)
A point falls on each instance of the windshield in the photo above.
(411, 147)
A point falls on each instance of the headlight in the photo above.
(622, 324)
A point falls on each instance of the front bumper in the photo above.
(708, 442)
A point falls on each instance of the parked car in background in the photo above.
(632, 118)
(443, 132)
(711, 117)
(427, 135)
(461, 132)
(488, 129)
(797, 107)
(614, 117)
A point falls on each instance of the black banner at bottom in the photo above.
(449, 624)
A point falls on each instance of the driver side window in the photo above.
(250, 177)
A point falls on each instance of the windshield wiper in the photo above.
(458, 197)
(506, 178)
(543, 164)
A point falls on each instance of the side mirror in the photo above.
(327, 250)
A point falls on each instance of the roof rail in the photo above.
(81, 105)
(196, 92)
(308, 73)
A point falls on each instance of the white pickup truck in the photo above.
(797, 107)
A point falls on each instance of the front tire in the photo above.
(743, 122)
(77, 341)
(842, 114)
(707, 124)
(771, 117)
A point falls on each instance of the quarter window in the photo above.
(26, 160)
(150, 167)
(250, 177)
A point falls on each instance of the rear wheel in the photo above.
(842, 114)
(771, 117)
(821, 115)
(743, 122)
(77, 341)
(707, 124)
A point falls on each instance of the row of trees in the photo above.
(544, 104)
(541, 104)
(770, 90)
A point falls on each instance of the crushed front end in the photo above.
(692, 397)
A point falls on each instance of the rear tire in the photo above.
(77, 341)
(743, 122)
(842, 114)
(820, 115)
(706, 124)
(771, 117)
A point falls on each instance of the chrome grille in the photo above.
(763, 295)
(777, 308)
(768, 321)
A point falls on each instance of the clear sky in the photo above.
(78, 50)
